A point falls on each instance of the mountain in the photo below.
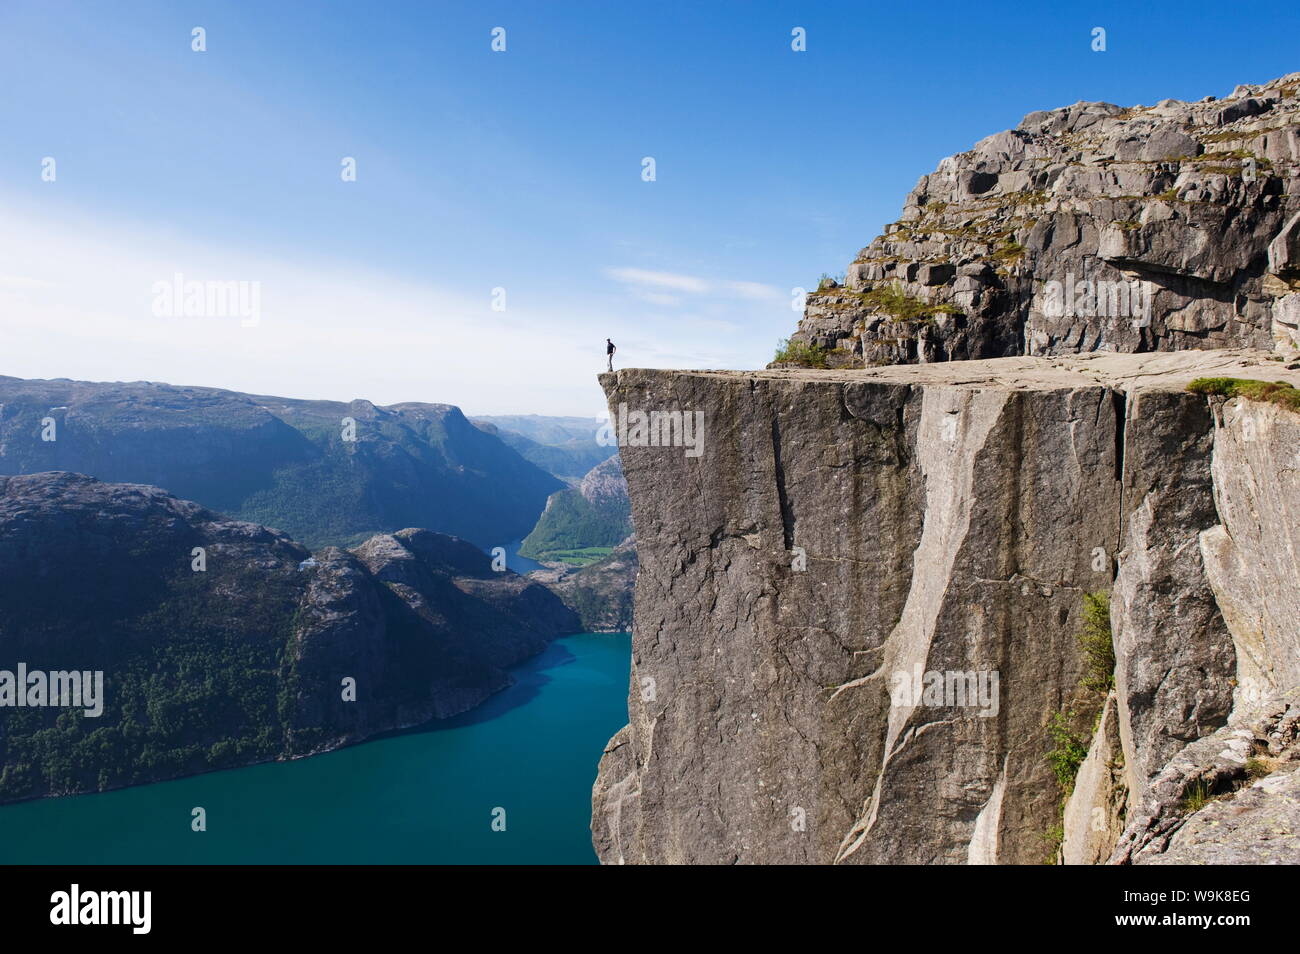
(279, 461)
(565, 447)
(969, 577)
(585, 522)
(1035, 241)
(551, 431)
(243, 657)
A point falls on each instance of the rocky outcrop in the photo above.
(1253, 556)
(1091, 227)
(600, 592)
(223, 643)
(857, 609)
(325, 472)
(1229, 798)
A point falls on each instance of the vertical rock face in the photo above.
(1171, 691)
(1093, 817)
(859, 593)
(1253, 558)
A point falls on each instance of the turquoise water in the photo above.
(514, 561)
(422, 797)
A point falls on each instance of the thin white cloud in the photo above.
(755, 291)
(76, 301)
(657, 298)
(83, 310)
(643, 277)
(21, 283)
(644, 283)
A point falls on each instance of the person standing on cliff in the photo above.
(609, 352)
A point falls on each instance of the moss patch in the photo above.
(1272, 392)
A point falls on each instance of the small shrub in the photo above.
(796, 352)
(900, 306)
(1068, 750)
(1095, 641)
(1054, 837)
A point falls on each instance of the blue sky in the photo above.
(520, 170)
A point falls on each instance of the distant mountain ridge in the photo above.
(278, 461)
(563, 446)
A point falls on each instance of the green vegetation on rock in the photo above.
(892, 300)
(1070, 732)
(1272, 392)
(1097, 645)
(583, 524)
(575, 530)
(795, 352)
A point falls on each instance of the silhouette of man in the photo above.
(609, 352)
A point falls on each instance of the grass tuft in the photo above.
(1196, 796)
(1259, 766)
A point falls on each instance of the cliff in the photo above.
(1091, 227)
(242, 656)
(997, 562)
(845, 535)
